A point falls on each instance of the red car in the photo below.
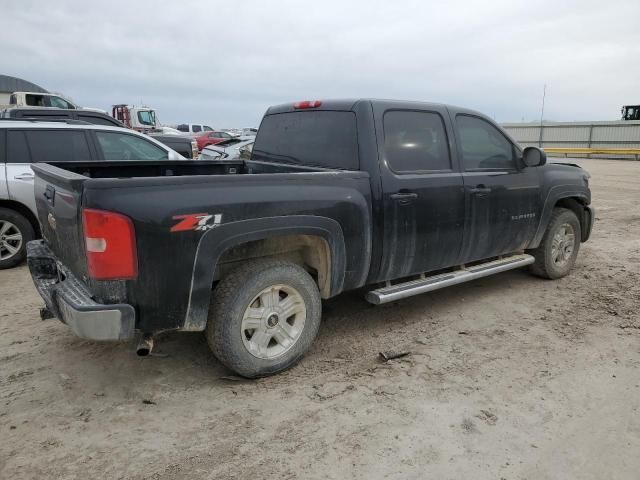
(211, 138)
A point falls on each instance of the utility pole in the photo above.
(544, 94)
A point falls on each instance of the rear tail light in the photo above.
(111, 245)
(307, 104)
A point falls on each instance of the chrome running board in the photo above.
(435, 282)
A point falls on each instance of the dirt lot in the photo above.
(509, 377)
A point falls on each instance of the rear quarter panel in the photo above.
(168, 261)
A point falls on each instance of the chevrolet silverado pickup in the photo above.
(398, 197)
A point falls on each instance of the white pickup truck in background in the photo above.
(36, 99)
(40, 100)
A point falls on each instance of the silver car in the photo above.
(23, 142)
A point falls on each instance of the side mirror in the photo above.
(533, 157)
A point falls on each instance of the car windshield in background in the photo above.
(147, 117)
(60, 103)
(316, 138)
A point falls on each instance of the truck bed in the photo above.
(137, 169)
(238, 198)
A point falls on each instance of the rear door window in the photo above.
(58, 145)
(17, 148)
(123, 146)
(415, 141)
(35, 100)
(3, 142)
(315, 138)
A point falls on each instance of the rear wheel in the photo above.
(15, 232)
(263, 317)
(558, 250)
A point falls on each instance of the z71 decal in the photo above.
(196, 222)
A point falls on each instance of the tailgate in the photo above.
(58, 200)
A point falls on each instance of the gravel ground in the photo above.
(509, 377)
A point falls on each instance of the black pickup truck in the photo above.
(403, 197)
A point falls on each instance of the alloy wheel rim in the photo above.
(273, 322)
(10, 240)
(563, 244)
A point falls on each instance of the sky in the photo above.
(224, 63)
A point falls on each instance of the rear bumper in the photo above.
(69, 300)
(589, 217)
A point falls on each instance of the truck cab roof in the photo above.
(348, 104)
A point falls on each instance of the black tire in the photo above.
(544, 265)
(236, 292)
(24, 227)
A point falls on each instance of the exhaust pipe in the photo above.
(145, 345)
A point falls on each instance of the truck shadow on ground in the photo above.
(350, 326)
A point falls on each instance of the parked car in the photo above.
(234, 132)
(249, 132)
(237, 147)
(23, 143)
(193, 128)
(170, 130)
(186, 147)
(401, 197)
(90, 116)
(43, 100)
(38, 99)
(211, 138)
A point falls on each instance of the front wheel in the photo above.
(264, 316)
(557, 253)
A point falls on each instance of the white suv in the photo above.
(23, 142)
(193, 128)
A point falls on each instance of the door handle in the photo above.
(480, 190)
(404, 196)
(24, 176)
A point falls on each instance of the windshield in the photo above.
(147, 117)
(60, 103)
(632, 113)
